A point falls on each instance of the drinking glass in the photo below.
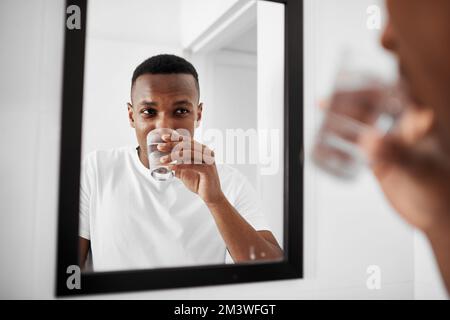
(362, 101)
(158, 171)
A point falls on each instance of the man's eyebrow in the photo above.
(148, 103)
(184, 102)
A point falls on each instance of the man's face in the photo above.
(164, 101)
(419, 34)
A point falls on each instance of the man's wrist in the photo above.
(218, 202)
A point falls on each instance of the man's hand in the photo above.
(195, 166)
(197, 169)
(413, 171)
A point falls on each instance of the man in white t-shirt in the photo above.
(208, 214)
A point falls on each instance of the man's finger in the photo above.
(185, 144)
(188, 156)
(389, 153)
(187, 150)
(200, 168)
(167, 146)
(172, 137)
(323, 104)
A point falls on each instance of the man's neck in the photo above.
(142, 157)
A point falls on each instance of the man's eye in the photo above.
(149, 112)
(181, 111)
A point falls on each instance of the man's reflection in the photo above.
(128, 220)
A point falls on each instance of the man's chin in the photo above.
(414, 99)
(411, 97)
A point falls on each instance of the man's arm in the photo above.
(198, 172)
(440, 242)
(243, 242)
(83, 249)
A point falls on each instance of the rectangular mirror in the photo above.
(214, 87)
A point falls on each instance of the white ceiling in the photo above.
(136, 20)
(149, 21)
(247, 42)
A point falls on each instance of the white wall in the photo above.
(270, 43)
(30, 90)
(227, 103)
(118, 39)
(347, 226)
(138, 21)
(198, 15)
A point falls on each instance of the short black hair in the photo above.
(165, 64)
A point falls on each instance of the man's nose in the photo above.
(163, 121)
(388, 37)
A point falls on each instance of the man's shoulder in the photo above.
(107, 157)
(230, 175)
(235, 185)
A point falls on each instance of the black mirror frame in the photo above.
(137, 280)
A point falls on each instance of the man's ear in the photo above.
(199, 115)
(131, 115)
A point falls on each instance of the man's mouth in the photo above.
(405, 85)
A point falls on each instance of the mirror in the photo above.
(184, 142)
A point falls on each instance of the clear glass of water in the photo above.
(158, 171)
(362, 101)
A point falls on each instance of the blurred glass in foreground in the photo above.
(362, 100)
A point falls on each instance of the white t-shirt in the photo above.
(134, 221)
